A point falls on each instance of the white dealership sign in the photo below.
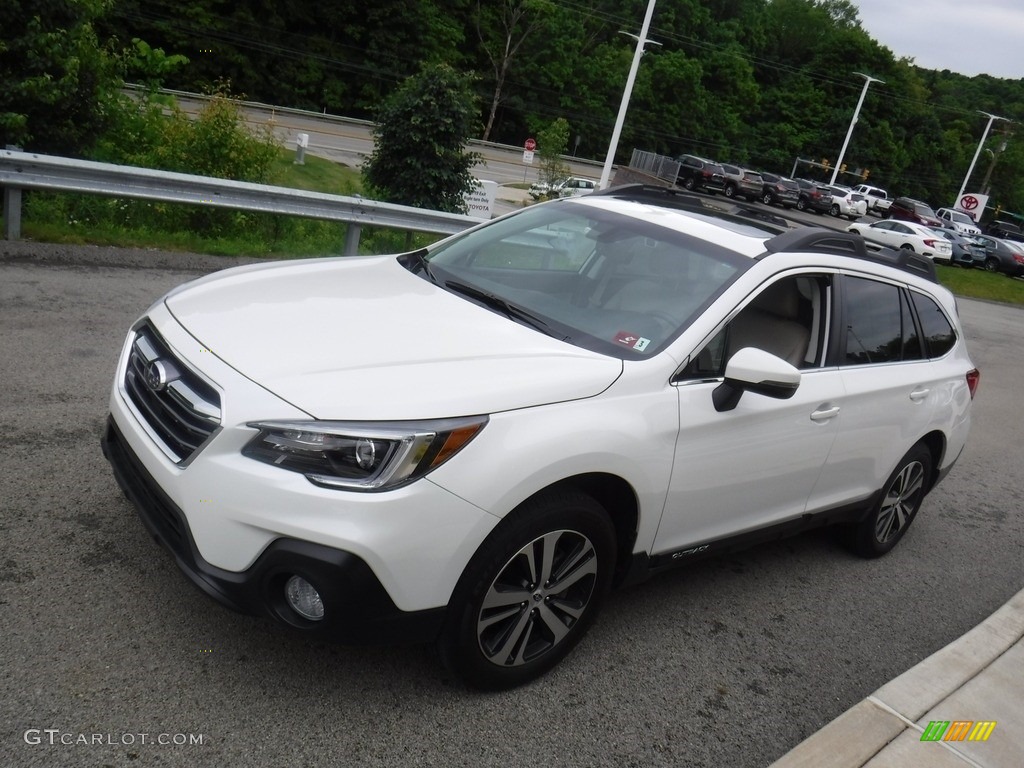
(480, 202)
(972, 204)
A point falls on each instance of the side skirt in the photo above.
(643, 566)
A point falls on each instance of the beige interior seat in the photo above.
(772, 322)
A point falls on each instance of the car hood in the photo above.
(363, 338)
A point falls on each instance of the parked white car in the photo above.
(846, 202)
(573, 186)
(958, 220)
(906, 235)
(472, 443)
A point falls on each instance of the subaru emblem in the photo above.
(156, 376)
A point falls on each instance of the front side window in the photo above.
(786, 318)
(879, 326)
(605, 281)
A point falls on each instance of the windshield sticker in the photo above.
(639, 343)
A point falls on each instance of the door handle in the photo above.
(824, 414)
(919, 394)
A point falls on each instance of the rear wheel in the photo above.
(689, 183)
(801, 204)
(992, 264)
(730, 191)
(901, 499)
(834, 210)
(530, 592)
(767, 198)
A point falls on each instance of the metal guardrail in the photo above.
(25, 170)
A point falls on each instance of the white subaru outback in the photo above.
(471, 444)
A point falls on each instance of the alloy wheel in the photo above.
(900, 502)
(537, 597)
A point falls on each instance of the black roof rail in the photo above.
(684, 200)
(641, 191)
(821, 240)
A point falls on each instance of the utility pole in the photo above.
(641, 41)
(868, 80)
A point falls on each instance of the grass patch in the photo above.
(979, 284)
(316, 175)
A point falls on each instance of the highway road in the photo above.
(108, 650)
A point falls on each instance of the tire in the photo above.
(730, 191)
(530, 592)
(801, 205)
(689, 183)
(834, 211)
(907, 247)
(991, 264)
(897, 507)
(767, 198)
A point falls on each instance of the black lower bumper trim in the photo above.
(357, 607)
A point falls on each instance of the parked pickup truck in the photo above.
(878, 199)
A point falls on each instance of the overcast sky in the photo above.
(966, 36)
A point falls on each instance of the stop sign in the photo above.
(530, 145)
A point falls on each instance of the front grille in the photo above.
(161, 517)
(179, 407)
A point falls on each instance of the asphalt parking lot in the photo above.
(110, 657)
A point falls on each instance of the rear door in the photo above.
(891, 388)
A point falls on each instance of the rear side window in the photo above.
(879, 327)
(938, 333)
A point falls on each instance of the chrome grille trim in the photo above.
(181, 415)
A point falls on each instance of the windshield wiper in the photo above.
(511, 311)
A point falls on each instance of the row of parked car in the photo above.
(944, 243)
(703, 175)
(946, 235)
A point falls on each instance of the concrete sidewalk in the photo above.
(976, 679)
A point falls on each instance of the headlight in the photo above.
(361, 456)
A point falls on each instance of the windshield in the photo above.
(600, 280)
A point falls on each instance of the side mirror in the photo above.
(757, 371)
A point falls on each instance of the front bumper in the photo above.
(358, 608)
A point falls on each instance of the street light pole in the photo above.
(641, 41)
(977, 152)
(868, 80)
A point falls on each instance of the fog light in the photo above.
(304, 599)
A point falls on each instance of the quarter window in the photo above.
(938, 333)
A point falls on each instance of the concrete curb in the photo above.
(865, 730)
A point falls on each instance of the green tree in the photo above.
(56, 80)
(502, 28)
(421, 134)
(552, 143)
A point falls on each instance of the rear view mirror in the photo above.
(757, 371)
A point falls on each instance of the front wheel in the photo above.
(530, 592)
(901, 499)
